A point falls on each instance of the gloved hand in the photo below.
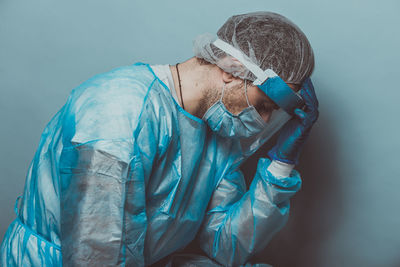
(295, 132)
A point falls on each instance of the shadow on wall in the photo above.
(315, 210)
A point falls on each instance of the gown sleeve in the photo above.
(239, 224)
(103, 173)
(92, 205)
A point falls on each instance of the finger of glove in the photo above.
(309, 92)
(312, 109)
(300, 113)
(311, 103)
(305, 118)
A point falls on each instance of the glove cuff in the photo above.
(280, 169)
(273, 155)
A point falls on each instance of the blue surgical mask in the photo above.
(246, 124)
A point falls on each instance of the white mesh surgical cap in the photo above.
(267, 39)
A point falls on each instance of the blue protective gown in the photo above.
(124, 176)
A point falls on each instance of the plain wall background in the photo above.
(347, 213)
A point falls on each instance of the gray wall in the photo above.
(347, 213)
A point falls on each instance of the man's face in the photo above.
(235, 99)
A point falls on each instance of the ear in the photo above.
(227, 77)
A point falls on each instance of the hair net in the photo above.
(267, 39)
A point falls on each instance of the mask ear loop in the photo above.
(222, 94)
(245, 92)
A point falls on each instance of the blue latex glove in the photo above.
(295, 132)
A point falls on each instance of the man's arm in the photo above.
(95, 212)
(106, 160)
(239, 223)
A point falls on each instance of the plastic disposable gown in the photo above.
(124, 176)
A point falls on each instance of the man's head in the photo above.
(268, 40)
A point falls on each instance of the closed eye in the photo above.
(266, 107)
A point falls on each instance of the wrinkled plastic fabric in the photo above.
(124, 177)
(26, 248)
(191, 260)
(269, 40)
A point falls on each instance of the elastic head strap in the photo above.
(246, 61)
(245, 92)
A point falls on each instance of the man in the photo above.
(142, 160)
